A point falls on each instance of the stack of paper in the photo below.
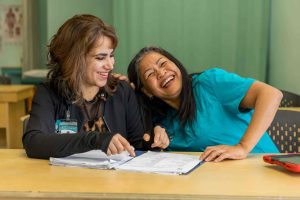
(149, 162)
(92, 159)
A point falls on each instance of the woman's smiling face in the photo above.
(160, 77)
(100, 62)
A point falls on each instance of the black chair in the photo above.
(285, 131)
(5, 80)
(290, 99)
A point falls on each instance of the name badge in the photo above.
(66, 126)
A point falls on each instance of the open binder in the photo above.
(148, 162)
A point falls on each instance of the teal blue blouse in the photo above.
(218, 118)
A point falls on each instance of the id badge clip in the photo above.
(66, 125)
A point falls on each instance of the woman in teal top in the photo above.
(215, 111)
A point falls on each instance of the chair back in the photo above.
(24, 120)
(290, 99)
(5, 80)
(285, 131)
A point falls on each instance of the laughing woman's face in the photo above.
(160, 77)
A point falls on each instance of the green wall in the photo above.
(284, 70)
(55, 12)
(231, 34)
(43, 28)
(60, 10)
(201, 33)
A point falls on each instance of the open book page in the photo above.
(92, 159)
(163, 163)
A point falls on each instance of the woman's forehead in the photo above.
(102, 43)
(150, 59)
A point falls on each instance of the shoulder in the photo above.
(123, 85)
(44, 89)
(45, 92)
(123, 99)
(217, 81)
(123, 88)
(208, 74)
(124, 91)
(218, 76)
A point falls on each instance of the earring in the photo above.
(151, 97)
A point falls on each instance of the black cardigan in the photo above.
(40, 140)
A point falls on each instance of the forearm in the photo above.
(42, 145)
(265, 107)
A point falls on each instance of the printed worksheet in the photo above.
(161, 162)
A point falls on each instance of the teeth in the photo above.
(167, 80)
(102, 73)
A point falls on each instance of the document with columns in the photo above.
(149, 162)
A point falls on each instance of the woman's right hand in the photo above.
(221, 152)
(118, 144)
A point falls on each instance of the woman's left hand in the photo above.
(161, 138)
(221, 152)
(122, 77)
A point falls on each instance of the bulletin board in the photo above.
(11, 33)
(11, 22)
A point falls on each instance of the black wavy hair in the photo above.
(155, 107)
